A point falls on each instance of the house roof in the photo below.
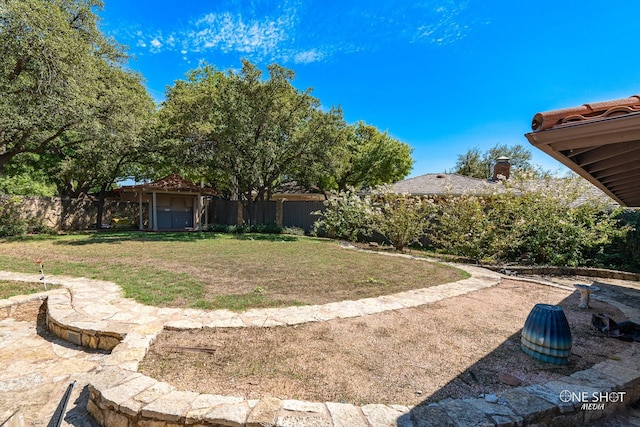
(293, 187)
(172, 183)
(438, 184)
(599, 141)
(442, 184)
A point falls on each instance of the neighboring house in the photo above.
(170, 203)
(599, 141)
(450, 184)
(444, 184)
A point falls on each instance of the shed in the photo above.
(170, 203)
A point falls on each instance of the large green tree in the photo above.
(247, 131)
(118, 145)
(479, 164)
(51, 59)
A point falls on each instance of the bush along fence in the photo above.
(543, 226)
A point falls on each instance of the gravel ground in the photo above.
(457, 347)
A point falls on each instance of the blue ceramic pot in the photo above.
(546, 334)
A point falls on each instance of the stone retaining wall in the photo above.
(569, 271)
(10, 306)
(64, 322)
(126, 399)
(73, 214)
(122, 397)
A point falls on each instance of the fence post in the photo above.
(240, 214)
(279, 213)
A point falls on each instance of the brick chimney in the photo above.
(501, 167)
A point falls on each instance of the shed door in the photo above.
(171, 218)
(182, 218)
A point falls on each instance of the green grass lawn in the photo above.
(207, 270)
(9, 288)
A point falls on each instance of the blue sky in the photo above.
(442, 76)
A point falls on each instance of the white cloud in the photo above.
(308, 56)
(445, 26)
(229, 32)
(302, 33)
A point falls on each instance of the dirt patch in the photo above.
(455, 348)
(24, 312)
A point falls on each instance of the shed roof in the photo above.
(172, 183)
(599, 141)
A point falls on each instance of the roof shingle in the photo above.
(440, 184)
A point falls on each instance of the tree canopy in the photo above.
(94, 161)
(72, 118)
(363, 157)
(51, 63)
(479, 164)
(246, 134)
(68, 107)
(243, 131)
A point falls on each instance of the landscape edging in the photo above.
(120, 396)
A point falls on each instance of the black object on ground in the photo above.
(626, 331)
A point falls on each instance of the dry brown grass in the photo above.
(453, 348)
(206, 270)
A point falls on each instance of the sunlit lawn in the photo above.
(208, 270)
(9, 288)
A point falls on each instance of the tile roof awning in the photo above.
(599, 141)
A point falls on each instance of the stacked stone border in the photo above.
(10, 306)
(568, 271)
(120, 396)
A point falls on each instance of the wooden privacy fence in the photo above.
(78, 214)
(283, 213)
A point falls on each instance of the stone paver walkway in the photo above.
(36, 367)
(94, 314)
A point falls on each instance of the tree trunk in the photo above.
(103, 190)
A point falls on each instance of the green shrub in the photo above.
(295, 231)
(266, 228)
(35, 227)
(550, 223)
(217, 228)
(245, 228)
(402, 219)
(11, 222)
(347, 216)
(623, 252)
(464, 228)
